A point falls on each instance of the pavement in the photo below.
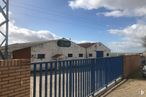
(135, 86)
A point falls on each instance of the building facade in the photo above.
(95, 50)
(51, 51)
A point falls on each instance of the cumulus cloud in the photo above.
(19, 34)
(116, 8)
(86, 4)
(115, 13)
(132, 38)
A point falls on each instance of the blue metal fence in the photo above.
(74, 78)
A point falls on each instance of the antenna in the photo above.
(4, 10)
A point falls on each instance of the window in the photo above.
(90, 55)
(107, 54)
(70, 55)
(63, 43)
(41, 56)
(80, 55)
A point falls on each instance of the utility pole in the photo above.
(4, 28)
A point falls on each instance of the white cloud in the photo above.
(116, 13)
(132, 38)
(19, 34)
(133, 31)
(117, 7)
(86, 4)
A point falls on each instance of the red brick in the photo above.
(14, 78)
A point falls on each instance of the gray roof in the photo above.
(86, 45)
(17, 46)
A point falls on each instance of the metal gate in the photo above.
(74, 78)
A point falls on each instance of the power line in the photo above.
(54, 14)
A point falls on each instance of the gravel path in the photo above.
(134, 87)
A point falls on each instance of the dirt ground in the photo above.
(135, 86)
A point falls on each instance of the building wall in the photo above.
(22, 53)
(50, 49)
(97, 47)
(14, 78)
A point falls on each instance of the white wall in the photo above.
(50, 49)
(97, 47)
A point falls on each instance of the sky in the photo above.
(119, 24)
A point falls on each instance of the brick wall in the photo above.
(14, 78)
(22, 53)
(131, 64)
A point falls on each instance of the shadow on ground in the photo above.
(137, 75)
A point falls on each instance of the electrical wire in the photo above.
(53, 15)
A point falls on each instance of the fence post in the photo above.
(93, 76)
(34, 80)
(46, 79)
(123, 63)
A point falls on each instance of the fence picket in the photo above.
(76, 78)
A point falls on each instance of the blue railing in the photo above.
(74, 78)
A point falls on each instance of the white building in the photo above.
(93, 50)
(51, 51)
